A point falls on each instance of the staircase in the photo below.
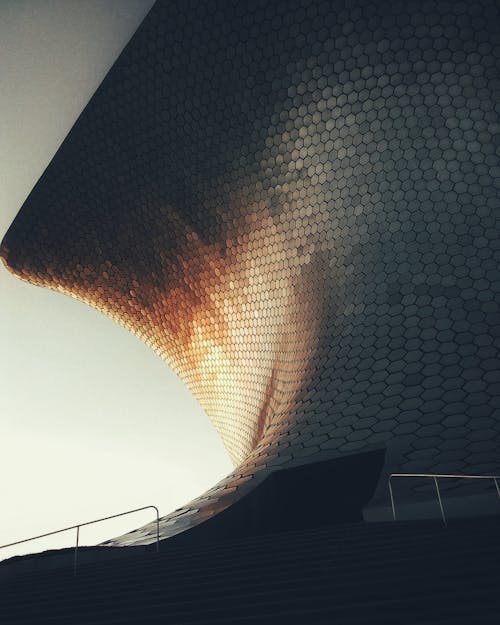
(412, 573)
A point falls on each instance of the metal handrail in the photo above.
(435, 476)
(77, 527)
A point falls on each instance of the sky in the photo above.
(92, 422)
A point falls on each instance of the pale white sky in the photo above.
(91, 421)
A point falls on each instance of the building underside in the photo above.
(295, 205)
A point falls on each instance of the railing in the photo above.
(77, 527)
(434, 476)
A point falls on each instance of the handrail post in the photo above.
(157, 530)
(392, 499)
(77, 527)
(440, 502)
(495, 478)
(76, 550)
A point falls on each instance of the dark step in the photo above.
(402, 582)
(206, 578)
(320, 542)
(350, 574)
(400, 609)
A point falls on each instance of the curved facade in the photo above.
(295, 204)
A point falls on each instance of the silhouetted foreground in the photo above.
(403, 573)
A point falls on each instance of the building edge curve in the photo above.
(300, 218)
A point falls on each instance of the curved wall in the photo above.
(294, 205)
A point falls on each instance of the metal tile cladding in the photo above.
(295, 204)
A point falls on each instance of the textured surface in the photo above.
(294, 204)
(411, 573)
